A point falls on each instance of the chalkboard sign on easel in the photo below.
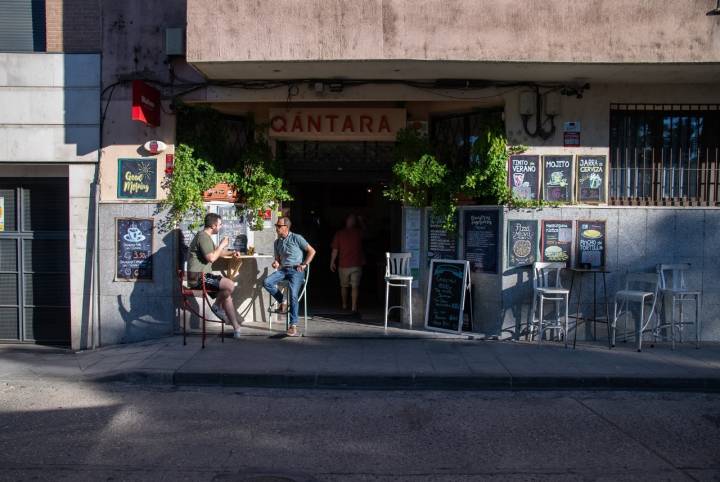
(522, 238)
(556, 241)
(524, 176)
(590, 244)
(448, 285)
(134, 249)
(557, 178)
(592, 179)
(480, 242)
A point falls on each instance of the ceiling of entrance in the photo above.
(492, 71)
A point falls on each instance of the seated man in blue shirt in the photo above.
(292, 256)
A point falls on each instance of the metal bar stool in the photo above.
(547, 287)
(397, 274)
(641, 288)
(672, 284)
(302, 297)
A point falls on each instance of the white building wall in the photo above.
(50, 126)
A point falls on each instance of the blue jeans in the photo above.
(295, 279)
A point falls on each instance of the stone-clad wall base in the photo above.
(637, 239)
(134, 311)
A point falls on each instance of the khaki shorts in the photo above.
(350, 277)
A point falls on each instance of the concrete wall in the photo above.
(466, 30)
(49, 125)
(637, 240)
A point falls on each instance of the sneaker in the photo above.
(237, 335)
(219, 312)
(293, 331)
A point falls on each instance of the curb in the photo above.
(408, 382)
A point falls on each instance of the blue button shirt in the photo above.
(290, 250)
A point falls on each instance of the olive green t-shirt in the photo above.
(200, 247)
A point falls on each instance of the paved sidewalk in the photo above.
(351, 355)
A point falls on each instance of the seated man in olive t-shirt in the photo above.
(202, 254)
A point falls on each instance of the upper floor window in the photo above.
(661, 154)
(22, 25)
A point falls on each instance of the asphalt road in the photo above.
(55, 431)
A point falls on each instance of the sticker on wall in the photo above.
(137, 178)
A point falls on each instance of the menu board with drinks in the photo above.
(557, 178)
(556, 244)
(592, 179)
(448, 283)
(440, 243)
(480, 243)
(522, 242)
(590, 245)
(524, 176)
(134, 249)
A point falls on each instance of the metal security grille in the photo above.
(22, 25)
(665, 154)
(34, 261)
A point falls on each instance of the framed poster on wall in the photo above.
(524, 176)
(481, 239)
(522, 239)
(592, 179)
(137, 178)
(590, 245)
(440, 243)
(557, 179)
(134, 241)
(556, 241)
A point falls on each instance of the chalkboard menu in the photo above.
(190, 225)
(590, 246)
(591, 179)
(137, 178)
(234, 226)
(522, 242)
(441, 244)
(524, 176)
(480, 243)
(556, 245)
(134, 249)
(447, 284)
(557, 178)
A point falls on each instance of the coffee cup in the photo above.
(134, 233)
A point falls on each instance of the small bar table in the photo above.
(233, 264)
(581, 272)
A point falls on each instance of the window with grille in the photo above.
(454, 135)
(664, 154)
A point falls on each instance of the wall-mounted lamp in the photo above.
(715, 11)
(531, 104)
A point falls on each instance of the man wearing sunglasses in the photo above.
(293, 254)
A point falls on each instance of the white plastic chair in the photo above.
(302, 298)
(640, 288)
(548, 287)
(672, 284)
(397, 274)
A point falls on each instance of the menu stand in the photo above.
(594, 271)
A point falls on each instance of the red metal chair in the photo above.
(188, 297)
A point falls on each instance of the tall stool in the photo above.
(397, 274)
(302, 297)
(672, 285)
(547, 287)
(641, 288)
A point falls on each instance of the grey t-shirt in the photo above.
(290, 250)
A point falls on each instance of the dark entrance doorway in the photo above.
(34, 261)
(328, 181)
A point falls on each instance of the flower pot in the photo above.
(222, 192)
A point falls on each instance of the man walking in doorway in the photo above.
(347, 245)
(202, 254)
(292, 256)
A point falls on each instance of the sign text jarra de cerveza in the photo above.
(336, 124)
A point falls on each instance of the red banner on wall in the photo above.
(145, 103)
